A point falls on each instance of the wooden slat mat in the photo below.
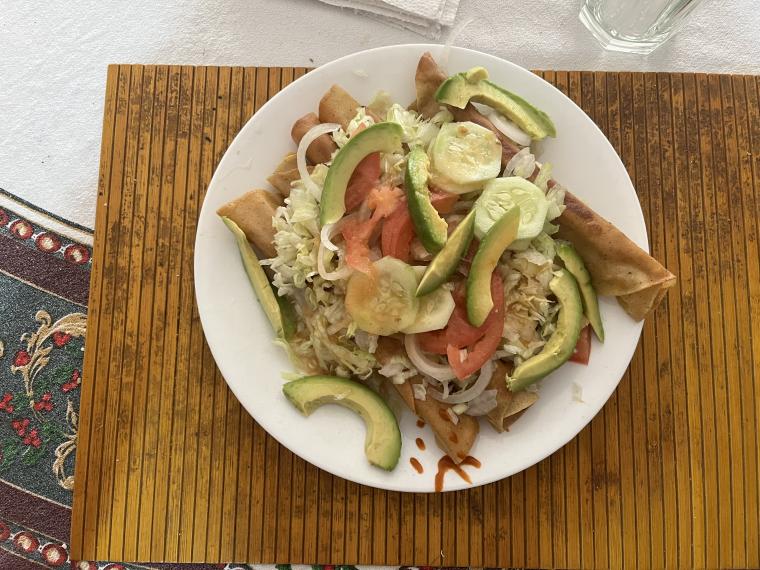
(170, 468)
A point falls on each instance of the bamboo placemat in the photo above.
(170, 468)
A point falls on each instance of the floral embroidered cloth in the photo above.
(44, 278)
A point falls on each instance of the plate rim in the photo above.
(203, 308)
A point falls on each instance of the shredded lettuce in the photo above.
(417, 130)
(530, 310)
(381, 103)
(324, 340)
(360, 119)
(556, 197)
(398, 368)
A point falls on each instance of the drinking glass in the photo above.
(634, 26)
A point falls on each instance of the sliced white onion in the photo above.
(325, 236)
(452, 416)
(459, 409)
(510, 129)
(341, 273)
(441, 372)
(419, 391)
(523, 161)
(311, 135)
(483, 404)
(470, 393)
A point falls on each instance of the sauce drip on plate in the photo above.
(446, 464)
(420, 443)
(420, 423)
(416, 464)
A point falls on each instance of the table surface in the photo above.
(665, 476)
(54, 62)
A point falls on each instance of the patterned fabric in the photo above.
(44, 277)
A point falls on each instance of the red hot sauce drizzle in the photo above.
(446, 464)
(416, 464)
(420, 423)
(420, 443)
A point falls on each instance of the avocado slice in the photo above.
(445, 262)
(278, 310)
(574, 264)
(498, 238)
(473, 85)
(382, 444)
(381, 137)
(561, 344)
(429, 226)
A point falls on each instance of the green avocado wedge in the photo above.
(574, 264)
(429, 226)
(278, 310)
(445, 262)
(382, 443)
(381, 137)
(473, 85)
(498, 239)
(560, 346)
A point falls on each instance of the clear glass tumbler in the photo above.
(634, 26)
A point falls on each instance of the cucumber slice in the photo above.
(501, 195)
(465, 156)
(383, 303)
(435, 308)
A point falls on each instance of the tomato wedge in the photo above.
(362, 181)
(433, 342)
(383, 200)
(398, 229)
(460, 332)
(482, 350)
(582, 350)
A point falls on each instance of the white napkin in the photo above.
(426, 17)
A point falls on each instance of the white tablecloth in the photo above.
(53, 58)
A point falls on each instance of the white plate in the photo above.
(332, 438)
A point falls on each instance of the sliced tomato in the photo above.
(398, 229)
(433, 341)
(362, 181)
(357, 234)
(482, 350)
(384, 201)
(397, 235)
(460, 332)
(582, 350)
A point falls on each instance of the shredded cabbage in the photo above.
(398, 368)
(530, 312)
(417, 130)
(325, 337)
(556, 197)
(360, 119)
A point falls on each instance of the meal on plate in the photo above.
(421, 254)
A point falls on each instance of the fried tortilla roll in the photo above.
(427, 79)
(253, 212)
(323, 146)
(509, 405)
(285, 174)
(337, 106)
(455, 440)
(617, 266)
